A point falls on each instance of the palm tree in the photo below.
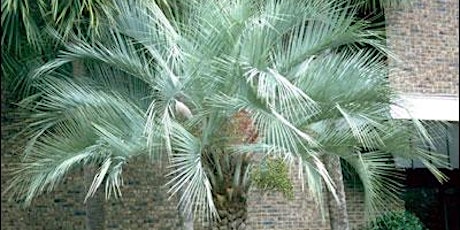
(215, 85)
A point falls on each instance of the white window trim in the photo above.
(426, 107)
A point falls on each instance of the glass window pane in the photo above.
(453, 145)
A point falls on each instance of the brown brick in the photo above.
(425, 38)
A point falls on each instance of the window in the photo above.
(446, 143)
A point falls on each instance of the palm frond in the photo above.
(40, 173)
(122, 56)
(20, 21)
(76, 124)
(188, 174)
(382, 4)
(70, 16)
(380, 178)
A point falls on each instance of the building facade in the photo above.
(425, 37)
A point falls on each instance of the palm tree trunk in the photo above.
(230, 199)
(338, 215)
(94, 206)
(233, 213)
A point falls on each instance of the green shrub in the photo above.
(396, 220)
(273, 175)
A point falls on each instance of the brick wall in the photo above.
(144, 204)
(271, 210)
(355, 206)
(425, 37)
(59, 209)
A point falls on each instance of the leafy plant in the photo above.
(273, 175)
(396, 220)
